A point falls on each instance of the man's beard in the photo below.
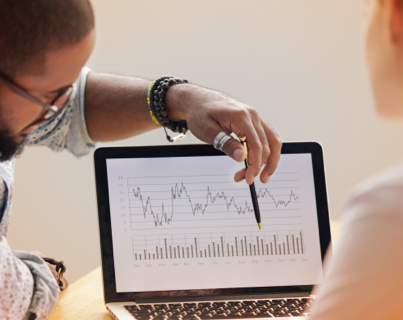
(8, 147)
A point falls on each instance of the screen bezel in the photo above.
(109, 284)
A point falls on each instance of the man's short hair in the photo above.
(31, 28)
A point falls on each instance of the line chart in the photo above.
(180, 192)
(162, 203)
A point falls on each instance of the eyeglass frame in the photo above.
(52, 110)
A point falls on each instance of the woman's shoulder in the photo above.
(391, 177)
(382, 193)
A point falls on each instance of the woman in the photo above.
(364, 279)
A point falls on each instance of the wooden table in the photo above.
(84, 298)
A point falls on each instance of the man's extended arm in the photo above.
(116, 108)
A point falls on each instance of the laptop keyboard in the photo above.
(222, 310)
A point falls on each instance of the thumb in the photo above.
(234, 149)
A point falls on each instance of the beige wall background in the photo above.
(300, 63)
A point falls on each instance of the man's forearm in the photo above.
(116, 107)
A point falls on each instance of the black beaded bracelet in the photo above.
(156, 103)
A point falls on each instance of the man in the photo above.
(44, 45)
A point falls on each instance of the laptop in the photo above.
(179, 238)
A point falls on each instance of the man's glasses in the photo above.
(63, 98)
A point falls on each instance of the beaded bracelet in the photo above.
(156, 103)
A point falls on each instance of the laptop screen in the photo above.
(182, 223)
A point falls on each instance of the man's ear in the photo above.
(395, 21)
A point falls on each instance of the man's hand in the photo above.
(209, 112)
(53, 269)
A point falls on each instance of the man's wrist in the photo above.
(177, 101)
(180, 99)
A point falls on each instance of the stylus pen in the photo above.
(252, 186)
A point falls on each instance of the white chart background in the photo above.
(163, 208)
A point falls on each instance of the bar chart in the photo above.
(218, 245)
